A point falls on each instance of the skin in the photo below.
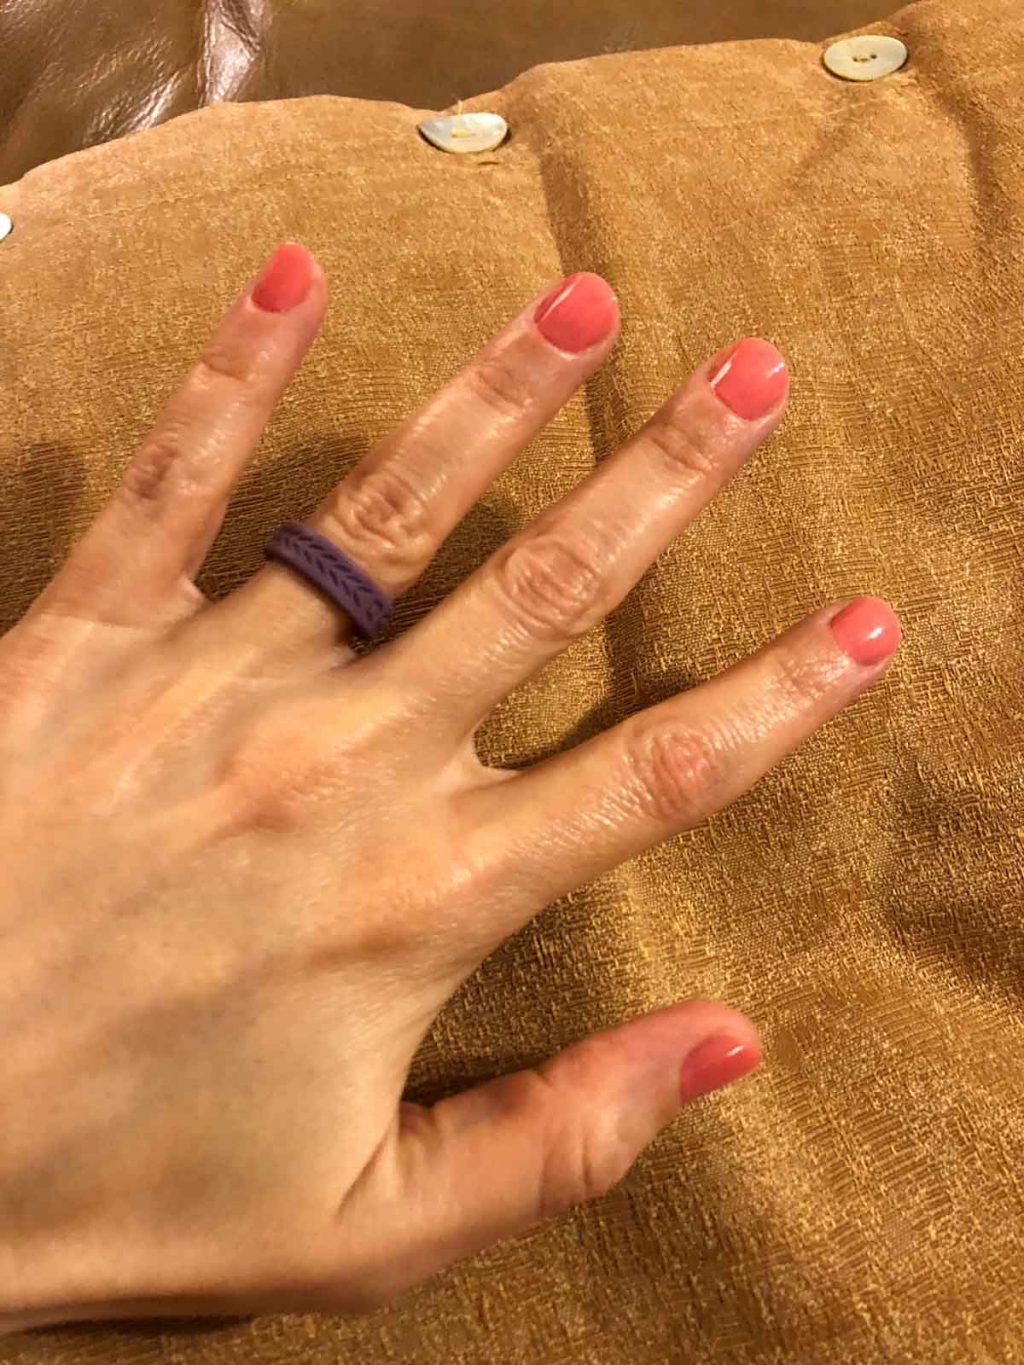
(245, 869)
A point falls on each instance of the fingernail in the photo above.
(577, 313)
(751, 378)
(285, 279)
(868, 630)
(714, 1063)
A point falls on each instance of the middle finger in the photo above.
(556, 579)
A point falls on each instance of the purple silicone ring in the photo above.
(330, 569)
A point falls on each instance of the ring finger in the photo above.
(396, 506)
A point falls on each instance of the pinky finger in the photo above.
(668, 768)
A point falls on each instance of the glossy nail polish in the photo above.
(285, 279)
(750, 378)
(714, 1063)
(867, 629)
(578, 313)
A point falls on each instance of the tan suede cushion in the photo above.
(860, 1200)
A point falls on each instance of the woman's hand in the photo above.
(245, 867)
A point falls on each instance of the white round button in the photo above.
(5, 225)
(867, 57)
(462, 133)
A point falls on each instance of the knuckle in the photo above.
(676, 771)
(383, 513)
(798, 680)
(500, 384)
(672, 435)
(581, 1159)
(168, 447)
(253, 804)
(265, 780)
(576, 1169)
(155, 464)
(226, 360)
(550, 586)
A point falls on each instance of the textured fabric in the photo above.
(860, 1199)
(77, 72)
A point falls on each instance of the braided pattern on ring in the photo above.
(330, 569)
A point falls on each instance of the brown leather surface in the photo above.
(77, 72)
(861, 1199)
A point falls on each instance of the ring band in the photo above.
(325, 566)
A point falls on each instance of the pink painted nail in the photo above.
(750, 378)
(578, 312)
(285, 279)
(867, 629)
(714, 1063)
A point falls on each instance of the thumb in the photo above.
(494, 1160)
